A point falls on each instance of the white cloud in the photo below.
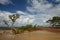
(57, 0)
(43, 9)
(20, 12)
(39, 5)
(23, 20)
(4, 16)
(4, 2)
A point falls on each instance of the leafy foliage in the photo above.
(14, 17)
(55, 21)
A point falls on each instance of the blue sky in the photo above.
(14, 6)
(20, 5)
(33, 11)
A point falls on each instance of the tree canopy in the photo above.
(55, 21)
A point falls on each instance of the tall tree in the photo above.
(14, 17)
(55, 21)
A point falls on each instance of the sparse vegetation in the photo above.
(29, 27)
(21, 29)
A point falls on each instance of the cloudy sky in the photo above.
(30, 11)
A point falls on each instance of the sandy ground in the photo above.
(35, 35)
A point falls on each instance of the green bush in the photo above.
(22, 29)
(29, 27)
(18, 30)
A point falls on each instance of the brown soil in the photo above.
(35, 35)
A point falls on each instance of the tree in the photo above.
(14, 17)
(55, 21)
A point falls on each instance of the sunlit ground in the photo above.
(35, 35)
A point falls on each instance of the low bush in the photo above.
(22, 29)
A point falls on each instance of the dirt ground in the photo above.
(35, 35)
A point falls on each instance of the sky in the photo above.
(30, 11)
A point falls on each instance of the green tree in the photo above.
(29, 27)
(55, 21)
(14, 17)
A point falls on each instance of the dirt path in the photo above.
(35, 35)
